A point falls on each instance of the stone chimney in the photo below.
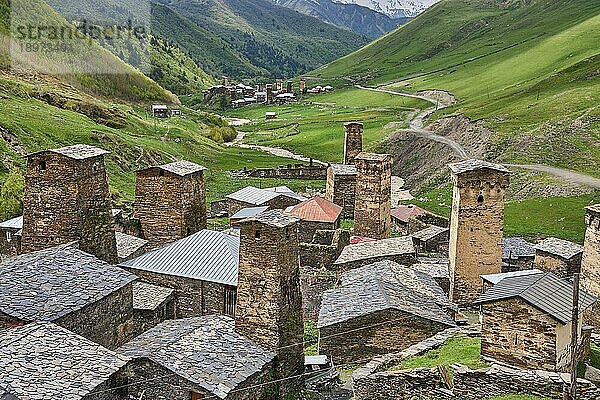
(67, 199)
(590, 263)
(269, 301)
(353, 141)
(476, 226)
(170, 201)
(372, 213)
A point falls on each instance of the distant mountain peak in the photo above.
(394, 8)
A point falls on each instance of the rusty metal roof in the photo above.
(317, 209)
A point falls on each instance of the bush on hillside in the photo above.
(11, 195)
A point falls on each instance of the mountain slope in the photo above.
(359, 19)
(395, 8)
(525, 69)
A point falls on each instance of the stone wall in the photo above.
(307, 229)
(147, 319)
(360, 339)
(111, 389)
(323, 253)
(108, 322)
(313, 284)
(66, 200)
(590, 264)
(353, 141)
(297, 171)
(168, 206)
(517, 334)
(373, 196)
(476, 231)
(10, 244)
(341, 190)
(552, 263)
(193, 297)
(218, 208)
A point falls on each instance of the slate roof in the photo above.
(275, 218)
(77, 151)
(127, 244)
(205, 255)
(429, 233)
(434, 267)
(595, 209)
(378, 248)
(286, 191)
(45, 361)
(373, 156)
(344, 169)
(249, 212)
(181, 168)
(495, 278)
(474, 165)
(406, 212)
(149, 297)
(317, 209)
(517, 247)
(559, 247)
(4, 395)
(48, 284)
(544, 291)
(204, 350)
(15, 223)
(381, 286)
(257, 197)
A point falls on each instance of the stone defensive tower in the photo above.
(353, 141)
(590, 263)
(67, 199)
(289, 88)
(170, 201)
(372, 216)
(269, 94)
(269, 301)
(476, 226)
(302, 86)
(341, 187)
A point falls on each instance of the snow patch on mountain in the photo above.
(394, 8)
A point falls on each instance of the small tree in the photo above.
(11, 195)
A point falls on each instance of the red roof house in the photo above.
(316, 214)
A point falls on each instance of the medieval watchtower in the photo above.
(170, 201)
(590, 263)
(372, 216)
(269, 302)
(476, 226)
(353, 141)
(302, 86)
(341, 187)
(67, 199)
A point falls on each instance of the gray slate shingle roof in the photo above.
(149, 297)
(15, 223)
(181, 168)
(45, 361)
(516, 247)
(127, 244)
(344, 169)
(276, 218)
(544, 291)
(474, 165)
(429, 232)
(48, 284)
(205, 350)
(205, 255)
(379, 248)
(559, 247)
(434, 267)
(373, 156)
(77, 151)
(4, 395)
(381, 286)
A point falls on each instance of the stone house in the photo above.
(410, 218)
(151, 305)
(197, 358)
(378, 309)
(433, 239)
(559, 256)
(476, 226)
(244, 213)
(67, 199)
(70, 288)
(490, 280)
(202, 269)
(10, 237)
(437, 268)
(129, 246)
(170, 201)
(401, 250)
(590, 262)
(341, 187)
(316, 214)
(42, 360)
(517, 254)
(280, 198)
(526, 321)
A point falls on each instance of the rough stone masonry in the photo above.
(353, 141)
(590, 263)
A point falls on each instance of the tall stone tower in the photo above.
(353, 141)
(269, 94)
(269, 302)
(372, 216)
(341, 187)
(302, 86)
(170, 201)
(289, 87)
(67, 199)
(476, 226)
(590, 263)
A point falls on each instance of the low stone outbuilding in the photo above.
(410, 218)
(517, 254)
(437, 268)
(202, 268)
(315, 214)
(45, 361)
(400, 250)
(152, 305)
(433, 239)
(10, 237)
(378, 309)
(280, 197)
(526, 321)
(129, 246)
(558, 256)
(197, 358)
(71, 288)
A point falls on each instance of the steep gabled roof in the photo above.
(317, 209)
(205, 255)
(544, 291)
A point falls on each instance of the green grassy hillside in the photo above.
(528, 69)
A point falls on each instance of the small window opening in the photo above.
(161, 173)
(480, 198)
(257, 235)
(43, 165)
